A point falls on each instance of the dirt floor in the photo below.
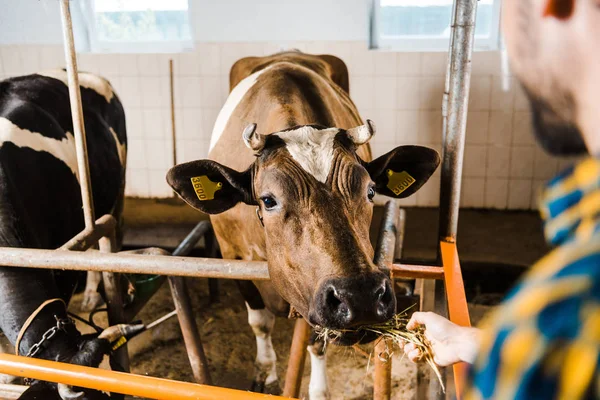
(494, 247)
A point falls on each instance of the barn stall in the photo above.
(172, 91)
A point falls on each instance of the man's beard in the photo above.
(556, 135)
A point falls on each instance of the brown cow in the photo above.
(310, 180)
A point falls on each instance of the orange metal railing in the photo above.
(119, 382)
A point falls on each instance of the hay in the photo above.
(395, 330)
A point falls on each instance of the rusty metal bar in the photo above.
(91, 235)
(85, 182)
(416, 271)
(463, 35)
(172, 101)
(295, 368)
(183, 305)
(119, 360)
(133, 263)
(384, 256)
(118, 382)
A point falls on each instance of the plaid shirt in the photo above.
(543, 342)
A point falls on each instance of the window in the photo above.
(132, 26)
(424, 25)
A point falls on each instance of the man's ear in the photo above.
(403, 171)
(211, 187)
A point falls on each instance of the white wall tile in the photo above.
(410, 201)
(433, 64)
(135, 126)
(502, 100)
(500, 128)
(188, 64)
(188, 92)
(158, 153)
(210, 60)
(385, 121)
(209, 116)
(128, 65)
(430, 127)
(522, 128)
(545, 166)
(210, 91)
(136, 154)
(52, 57)
(385, 92)
(155, 123)
(498, 162)
(432, 89)
(429, 194)
(521, 101)
(475, 161)
(130, 92)
(30, 57)
(473, 190)
(158, 184)
(148, 65)
(408, 93)
(12, 62)
(496, 193)
(407, 126)
(151, 92)
(519, 194)
(480, 94)
(192, 123)
(408, 64)
(362, 61)
(486, 63)
(107, 64)
(521, 162)
(477, 127)
(385, 63)
(137, 184)
(361, 91)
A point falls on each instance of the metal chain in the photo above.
(61, 323)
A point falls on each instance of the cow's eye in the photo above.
(371, 193)
(269, 202)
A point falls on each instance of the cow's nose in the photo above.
(352, 301)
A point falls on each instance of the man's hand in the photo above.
(450, 343)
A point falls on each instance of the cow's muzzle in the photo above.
(350, 302)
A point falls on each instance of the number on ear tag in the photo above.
(205, 188)
(398, 182)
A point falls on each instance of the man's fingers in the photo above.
(409, 347)
(417, 319)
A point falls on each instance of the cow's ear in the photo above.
(211, 187)
(403, 171)
(339, 71)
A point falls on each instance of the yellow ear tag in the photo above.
(398, 182)
(205, 188)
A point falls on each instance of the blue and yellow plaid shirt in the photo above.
(543, 342)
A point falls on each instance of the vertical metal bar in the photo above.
(185, 314)
(114, 304)
(173, 131)
(447, 80)
(212, 251)
(77, 115)
(384, 255)
(295, 368)
(189, 330)
(458, 102)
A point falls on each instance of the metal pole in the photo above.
(295, 368)
(458, 102)
(90, 236)
(118, 382)
(77, 115)
(173, 132)
(133, 263)
(384, 256)
(183, 305)
(447, 80)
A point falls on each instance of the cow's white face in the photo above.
(315, 196)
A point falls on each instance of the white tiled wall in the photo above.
(401, 92)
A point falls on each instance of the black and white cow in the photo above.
(40, 204)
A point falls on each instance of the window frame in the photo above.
(84, 20)
(410, 43)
